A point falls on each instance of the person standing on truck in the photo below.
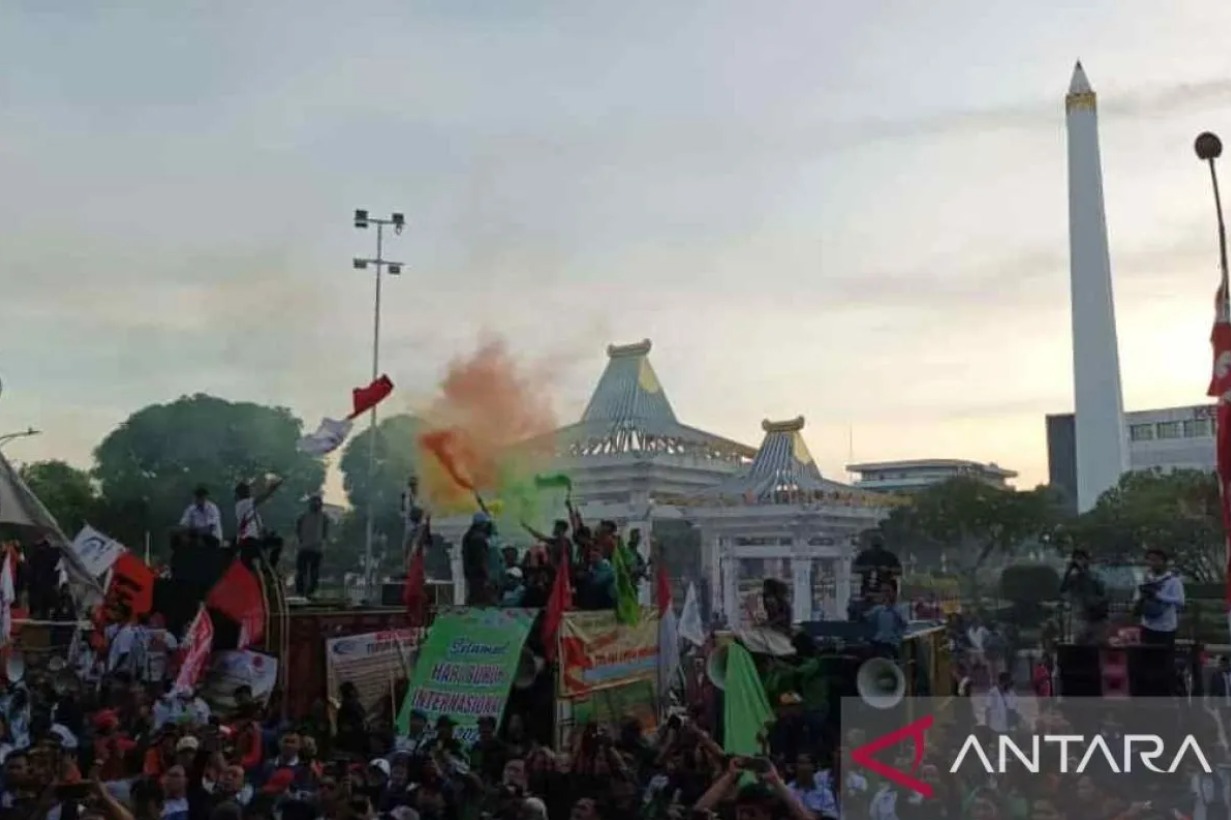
(311, 531)
(476, 546)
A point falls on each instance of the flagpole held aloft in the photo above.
(1209, 148)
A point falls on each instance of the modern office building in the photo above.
(912, 475)
(1170, 438)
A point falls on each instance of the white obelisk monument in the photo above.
(1102, 451)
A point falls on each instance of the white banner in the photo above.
(196, 648)
(372, 662)
(96, 551)
(235, 668)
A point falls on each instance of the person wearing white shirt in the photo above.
(813, 789)
(248, 524)
(120, 642)
(1159, 600)
(1002, 705)
(202, 516)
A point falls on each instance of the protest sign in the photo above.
(597, 651)
(130, 592)
(466, 666)
(95, 551)
(232, 669)
(369, 661)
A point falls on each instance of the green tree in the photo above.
(148, 467)
(395, 462)
(1177, 511)
(66, 492)
(968, 520)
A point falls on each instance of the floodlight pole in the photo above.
(362, 220)
(7, 437)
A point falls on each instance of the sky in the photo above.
(856, 212)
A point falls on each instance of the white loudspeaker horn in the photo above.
(528, 668)
(880, 683)
(15, 666)
(716, 666)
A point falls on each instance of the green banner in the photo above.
(466, 666)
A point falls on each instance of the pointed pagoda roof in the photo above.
(629, 413)
(782, 471)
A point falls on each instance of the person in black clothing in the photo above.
(475, 561)
(1087, 599)
(41, 578)
(875, 566)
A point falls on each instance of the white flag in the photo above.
(327, 438)
(96, 552)
(690, 627)
(668, 651)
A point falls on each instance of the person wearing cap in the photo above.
(1159, 599)
(514, 587)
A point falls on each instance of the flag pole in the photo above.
(1209, 148)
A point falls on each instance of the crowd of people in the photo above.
(107, 734)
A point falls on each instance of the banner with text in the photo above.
(466, 666)
(596, 651)
(232, 669)
(372, 662)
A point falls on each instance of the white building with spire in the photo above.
(1100, 442)
(761, 512)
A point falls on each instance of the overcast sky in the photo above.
(853, 211)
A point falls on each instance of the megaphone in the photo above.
(716, 666)
(529, 665)
(880, 683)
(15, 666)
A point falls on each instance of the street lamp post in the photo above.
(1209, 148)
(7, 437)
(362, 221)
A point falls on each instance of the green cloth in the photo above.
(746, 709)
(628, 610)
(553, 481)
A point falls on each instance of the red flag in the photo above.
(557, 603)
(662, 592)
(197, 645)
(414, 594)
(1220, 389)
(238, 596)
(365, 398)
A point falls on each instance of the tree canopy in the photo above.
(1177, 511)
(968, 520)
(152, 462)
(66, 492)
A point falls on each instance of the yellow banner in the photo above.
(597, 652)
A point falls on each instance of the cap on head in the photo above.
(201, 491)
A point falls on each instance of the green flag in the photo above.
(628, 611)
(746, 709)
(553, 481)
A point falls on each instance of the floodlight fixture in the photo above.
(361, 264)
(395, 268)
(361, 218)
